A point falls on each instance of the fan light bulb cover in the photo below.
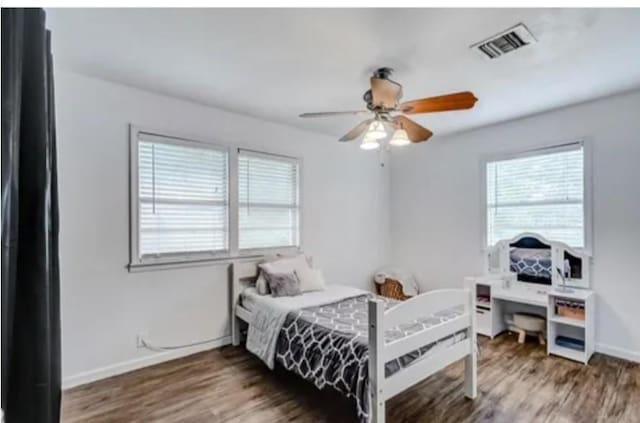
(376, 130)
(369, 143)
(400, 138)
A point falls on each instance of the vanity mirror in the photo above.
(536, 260)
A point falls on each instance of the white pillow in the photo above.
(310, 279)
(280, 256)
(286, 265)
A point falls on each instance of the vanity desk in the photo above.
(516, 284)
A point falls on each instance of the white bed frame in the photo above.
(382, 388)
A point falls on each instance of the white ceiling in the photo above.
(277, 63)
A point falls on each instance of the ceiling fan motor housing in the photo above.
(384, 93)
(383, 73)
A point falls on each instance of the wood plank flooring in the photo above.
(517, 383)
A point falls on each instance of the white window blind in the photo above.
(182, 197)
(268, 200)
(542, 193)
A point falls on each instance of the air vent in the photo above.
(505, 42)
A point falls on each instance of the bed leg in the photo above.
(235, 331)
(234, 292)
(377, 412)
(471, 376)
(471, 360)
(376, 361)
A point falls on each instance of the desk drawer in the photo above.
(483, 321)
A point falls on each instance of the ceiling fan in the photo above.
(383, 102)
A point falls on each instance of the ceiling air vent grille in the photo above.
(505, 42)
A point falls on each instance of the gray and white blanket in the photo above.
(328, 345)
(269, 314)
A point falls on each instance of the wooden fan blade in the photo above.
(357, 131)
(443, 103)
(385, 92)
(415, 132)
(329, 114)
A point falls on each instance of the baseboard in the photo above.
(618, 352)
(138, 363)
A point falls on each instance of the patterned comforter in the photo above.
(328, 345)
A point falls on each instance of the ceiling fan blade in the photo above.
(415, 132)
(443, 103)
(357, 131)
(385, 92)
(329, 114)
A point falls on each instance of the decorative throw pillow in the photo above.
(310, 279)
(262, 287)
(283, 284)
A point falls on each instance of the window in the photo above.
(268, 203)
(182, 199)
(194, 201)
(541, 192)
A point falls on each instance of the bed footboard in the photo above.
(383, 388)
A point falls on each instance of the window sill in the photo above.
(213, 261)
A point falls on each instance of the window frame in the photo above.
(279, 249)
(135, 258)
(177, 260)
(535, 151)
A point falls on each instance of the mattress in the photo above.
(249, 297)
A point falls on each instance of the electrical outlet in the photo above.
(142, 335)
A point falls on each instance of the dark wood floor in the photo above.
(517, 383)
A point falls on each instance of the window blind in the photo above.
(182, 197)
(268, 203)
(542, 193)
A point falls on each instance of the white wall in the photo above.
(345, 223)
(432, 225)
(436, 213)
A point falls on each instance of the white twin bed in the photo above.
(368, 348)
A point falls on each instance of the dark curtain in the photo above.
(30, 274)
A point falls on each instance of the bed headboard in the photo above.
(574, 264)
(242, 274)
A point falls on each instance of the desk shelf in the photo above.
(565, 352)
(487, 312)
(567, 321)
(571, 327)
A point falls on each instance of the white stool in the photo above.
(524, 323)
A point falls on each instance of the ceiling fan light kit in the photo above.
(400, 138)
(376, 130)
(383, 101)
(369, 143)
